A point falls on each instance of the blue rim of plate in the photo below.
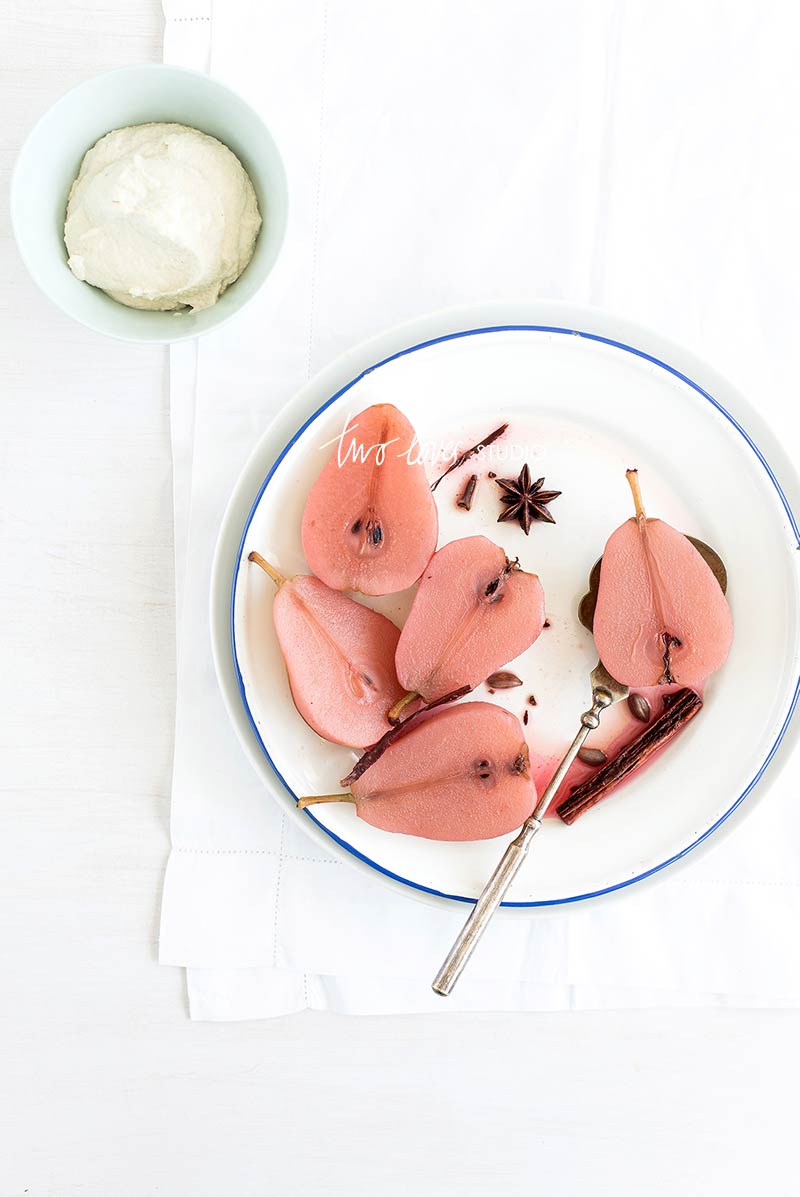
(454, 336)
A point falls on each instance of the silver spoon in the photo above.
(605, 692)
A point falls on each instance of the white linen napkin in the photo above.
(627, 156)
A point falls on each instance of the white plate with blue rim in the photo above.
(586, 395)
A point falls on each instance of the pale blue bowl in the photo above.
(51, 157)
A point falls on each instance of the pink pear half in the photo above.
(339, 657)
(472, 614)
(461, 774)
(370, 521)
(661, 616)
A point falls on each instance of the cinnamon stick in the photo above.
(379, 747)
(682, 707)
(459, 461)
(468, 494)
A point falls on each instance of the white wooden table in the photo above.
(106, 1088)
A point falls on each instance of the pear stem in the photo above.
(302, 803)
(277, 577)
(396, 711)
(633, 483)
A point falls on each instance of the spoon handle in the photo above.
(500, 880)
(484, 908)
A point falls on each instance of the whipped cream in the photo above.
(161, 217)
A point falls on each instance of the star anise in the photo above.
(525, 500)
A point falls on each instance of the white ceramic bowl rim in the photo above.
(477, 331)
